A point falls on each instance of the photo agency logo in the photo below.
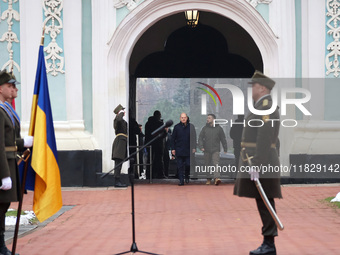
(288, 96)
(204, 97)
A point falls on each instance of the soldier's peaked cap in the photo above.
(6, 77)
(15, 79)
(118, 109)
(262, 79)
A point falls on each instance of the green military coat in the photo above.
(18, 140)
(263, 138)
(119, 146)
(8, 165)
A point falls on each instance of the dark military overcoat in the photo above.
(261, 141)
(18, 140)
(119, 146)
(8, 165)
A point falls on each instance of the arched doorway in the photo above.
(121, 61)
(217, 48)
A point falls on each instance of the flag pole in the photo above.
(25, 158)
(16, 230)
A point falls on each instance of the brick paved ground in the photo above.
(193, 219)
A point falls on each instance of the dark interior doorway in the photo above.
(195, 52)
(218, 47)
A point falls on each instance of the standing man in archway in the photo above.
(210, 138)
(259, 145)
(183, 144)
(157, 146)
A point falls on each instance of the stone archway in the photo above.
(148, 13)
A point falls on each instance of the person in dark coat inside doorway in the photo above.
(183, 144)
(157, 146)
(119, 146)
(259, 143)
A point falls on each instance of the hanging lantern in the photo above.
(192, 17)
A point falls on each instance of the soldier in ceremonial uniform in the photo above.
(27, 141)
(20, 143)
(259, 139)
(119, 146)
(9, 177)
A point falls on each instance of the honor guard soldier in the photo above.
(9, 176)
(259, 139)
(28, 140)
(119, 146)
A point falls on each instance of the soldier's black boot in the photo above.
(3, 248)
(266, 248)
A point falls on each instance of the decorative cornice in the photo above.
(332, 58)
(53, 25)
(255, 3)
(9, 35)
(130, 4)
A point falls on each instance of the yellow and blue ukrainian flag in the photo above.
(44, 161)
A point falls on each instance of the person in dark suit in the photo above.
(259, 142)
(9, 175)
(119, 146)
(183, 144)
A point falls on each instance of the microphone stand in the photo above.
(134, 248)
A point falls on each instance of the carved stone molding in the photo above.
(53, 25)
(130, 4)
(332, 58)
(9, 36)
(255, 3)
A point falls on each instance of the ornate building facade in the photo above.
(93, 51)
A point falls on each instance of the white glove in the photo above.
(121, 111)
(254, 173)
(6, 183)
(28, 141)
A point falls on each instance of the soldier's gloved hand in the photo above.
(121, 111)
(28, 141)
(254, 173)
(6, 183)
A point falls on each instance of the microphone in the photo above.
(166, 124)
